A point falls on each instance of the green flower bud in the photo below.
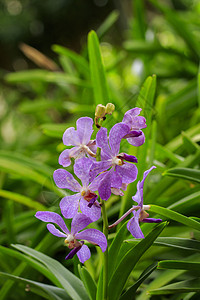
(110, 108)
(100, 111)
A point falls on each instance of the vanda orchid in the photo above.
(100, 169)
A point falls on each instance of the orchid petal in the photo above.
(117, 132)
(98, 167)
(93, 236)
(104, 188)
(84, 127)
(52, 217)
(64, 180)
(151, 220)
(55, 231)
(84, 254)
(64, 158)
(73, 252)
(102, 141)
(82, 169)
(69, 205)
(133, 226)
(79, 222)
(128, 172)
(116, 180)
(94, 212)
(136, 141)
(70, 137)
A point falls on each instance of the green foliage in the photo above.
(38, 105)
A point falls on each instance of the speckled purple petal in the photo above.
(151, 220)
(73, 252)
(98, 167)
(92, 201)
(133, 226)
(55, 231)
(69, 205)
(84, 127)
(130, 114)
(82, 169)
(84, 254)
(117, 132)
(64, 180)
(102, 142)
(64, 159)
(105, 185)
(130, 158)
(116, 180)
(128, 172)
(137, 141)
(94, 212)
(52, 217)
(79, 222)
(93, 236)
(133, 133)
(70, 137)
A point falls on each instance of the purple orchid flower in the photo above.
(140, 215)
(80, 139)
(122, 171)
(85, 198)
(79, 222)
(135, 137)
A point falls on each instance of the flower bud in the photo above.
(110, 108)
(100, 111)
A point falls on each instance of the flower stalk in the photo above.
(105, 266)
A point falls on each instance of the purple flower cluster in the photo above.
(111, 174)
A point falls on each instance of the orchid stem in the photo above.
(105, 266)
(124, 216)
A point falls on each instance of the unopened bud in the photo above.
(100, 111)
(110, 108)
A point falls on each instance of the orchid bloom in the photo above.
(140, 215)
(122, 170)
(135, 137)
(79, 222)
(85, 197)
(80, 139)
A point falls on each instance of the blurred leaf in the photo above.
(98, 76)
(71, 284)
(185, 173)
(88, 281)
(167, 213)
(54, 130)
(128, 295)
(108, 23)
(22, 199)
(179, 287)
(127, 263)
(45, 290)
(180, 265)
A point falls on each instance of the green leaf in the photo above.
(45, 290)
(108, 23)
(71, 284)
(98, 76)
(88, 281)
(185, 173)
(179, 287)
(54, 130)
(180, 265)
(129, 260)
(167, 213)
(22, 199)
(128, 295)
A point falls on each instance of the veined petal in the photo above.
(79, 222)
(117, 132)
(69, 205)
(134, 227)
(55, 231)
(105, 185)
(52, 217)
(73, 252)
(151, 220)
(130, 115)
(128, 172)
(94, 212)
(84, 127)
(93, 236)
(116, 180)
(102, 141)
(64, 159)
(82, 169)
(64, 180)
(137, 141)
(98, 167)
(71, 137)
(84, 254)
